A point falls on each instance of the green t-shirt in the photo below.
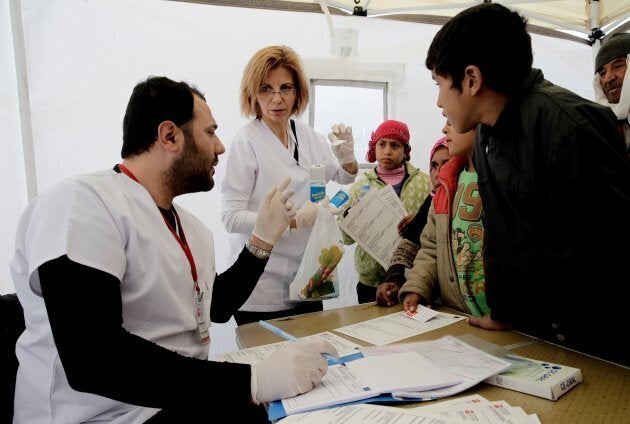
(467, 242)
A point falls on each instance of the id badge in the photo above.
(202, 325)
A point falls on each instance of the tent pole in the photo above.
(596, 32)
(21, 73)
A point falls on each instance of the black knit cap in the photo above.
(616, 46)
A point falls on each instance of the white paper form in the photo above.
(369, 377)
(368, 414)
(394, 327)
(464, 401)
(496, 412)
(254, 355)
(372, 223)
(470, 364)
(491, 411)
(484, 412)
(339, 385)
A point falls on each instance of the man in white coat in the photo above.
(119, 284)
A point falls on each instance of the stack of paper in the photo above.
(451, 354)
(443, 367)
(414, 371)
(368, 377)
(469, 409)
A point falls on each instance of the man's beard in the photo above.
(190, 173)
(615, 99)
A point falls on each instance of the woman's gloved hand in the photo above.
(275, 213)
(342, 143)
(307, 214)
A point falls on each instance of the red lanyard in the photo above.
(182, 241)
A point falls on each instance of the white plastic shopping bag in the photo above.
(317, 277)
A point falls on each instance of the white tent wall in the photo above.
(13, 196)
(85, 56)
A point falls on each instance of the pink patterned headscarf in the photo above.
(440, 142)
(395, 130)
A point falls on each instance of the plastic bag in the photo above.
(317, 277)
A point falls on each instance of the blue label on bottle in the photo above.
(364, 189)
(339, 199)
(318, 192)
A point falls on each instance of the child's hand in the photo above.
(404, 224)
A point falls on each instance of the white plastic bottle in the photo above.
(318, 183)
(364, 189)
(340, 198)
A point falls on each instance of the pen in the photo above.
(278, 331)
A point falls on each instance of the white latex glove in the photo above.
(333, 210)
(275, 213)
(307, 214)
(343, 150)
(293, 369)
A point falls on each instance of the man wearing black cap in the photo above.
(611, 70)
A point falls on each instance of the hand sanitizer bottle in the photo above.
(340, 198)
(364, 189)
(318, 183)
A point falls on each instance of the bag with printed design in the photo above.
(317, 277)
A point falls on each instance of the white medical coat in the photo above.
(256, 160)
(109, 222)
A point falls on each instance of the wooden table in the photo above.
(603, 397)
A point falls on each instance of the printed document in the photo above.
(451, 354)
(368, 414)
(372, 223)
(254, 355)
(368, 377)
(397, 326)
(471, 409)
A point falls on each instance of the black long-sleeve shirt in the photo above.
(100, 356)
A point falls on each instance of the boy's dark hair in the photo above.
(489, 36)
(152, 102)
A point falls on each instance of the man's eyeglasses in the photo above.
(268, 92)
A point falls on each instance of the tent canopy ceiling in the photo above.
(569, 19)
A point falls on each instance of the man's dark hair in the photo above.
(152, 102)
(489, 36)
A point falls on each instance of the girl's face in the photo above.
(389, 153)
(440, 157)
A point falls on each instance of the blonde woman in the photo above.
(271, 147)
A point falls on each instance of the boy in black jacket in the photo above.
(554, 179)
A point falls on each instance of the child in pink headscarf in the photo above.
(448, 268)
(410, 228)
(389, 147)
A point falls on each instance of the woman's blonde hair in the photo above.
(259, 66)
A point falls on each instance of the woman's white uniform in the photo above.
(256, 161)
(109, 222)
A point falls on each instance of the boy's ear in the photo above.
(473, 79)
